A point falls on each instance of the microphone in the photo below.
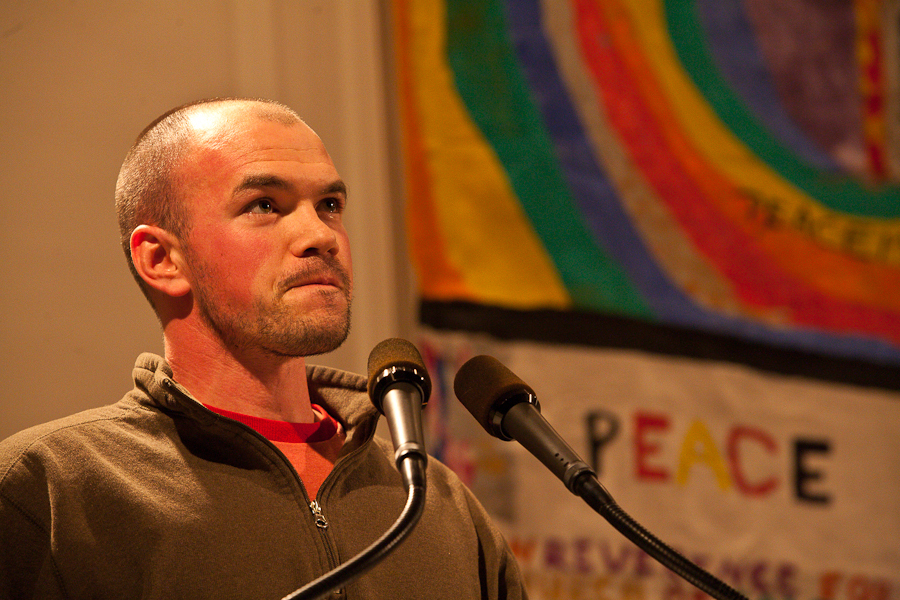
(399, 387)
(507, 408)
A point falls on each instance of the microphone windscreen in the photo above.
(482, 384)
(399, 354)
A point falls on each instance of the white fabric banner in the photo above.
(785, 488)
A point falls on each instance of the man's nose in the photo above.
(310, 234)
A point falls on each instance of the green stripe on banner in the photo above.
(838, 193)
(493, 89)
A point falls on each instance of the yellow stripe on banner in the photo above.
(737, 162)
(486, 233)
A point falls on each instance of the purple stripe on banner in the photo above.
(735, 52)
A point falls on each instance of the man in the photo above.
(233, 469)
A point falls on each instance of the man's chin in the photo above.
(314, 337)
(326, 345)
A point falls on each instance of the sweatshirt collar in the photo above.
(340, 393)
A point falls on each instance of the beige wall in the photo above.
(79, 80)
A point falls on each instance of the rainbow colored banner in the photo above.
(724, 167)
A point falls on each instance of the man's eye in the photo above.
(263, 206)
(332, 205)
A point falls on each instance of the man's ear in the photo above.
(159, 260)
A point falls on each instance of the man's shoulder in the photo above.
(56, 435)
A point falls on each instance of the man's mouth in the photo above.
(329, 278)
(332, 281)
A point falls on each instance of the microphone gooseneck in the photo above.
(507, 408)
(398, 386)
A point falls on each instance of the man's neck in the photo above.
(267, 386)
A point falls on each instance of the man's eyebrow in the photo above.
(274, 181)
(337, 187)
(262, 181)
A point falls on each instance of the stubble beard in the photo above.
(286, 334)
(276, 328)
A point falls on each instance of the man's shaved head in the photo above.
(147, 191)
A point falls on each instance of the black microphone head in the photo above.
(488, 389)
(392, 360)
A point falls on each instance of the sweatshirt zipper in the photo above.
(322, 524)
(321, 521)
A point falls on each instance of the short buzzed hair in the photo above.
(146, 191)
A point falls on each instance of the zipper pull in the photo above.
(321, 521)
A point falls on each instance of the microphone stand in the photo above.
(595, 495)
(414, 477)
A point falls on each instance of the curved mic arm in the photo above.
(413, 475)
(595, 495)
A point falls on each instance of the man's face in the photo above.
(267, 254)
